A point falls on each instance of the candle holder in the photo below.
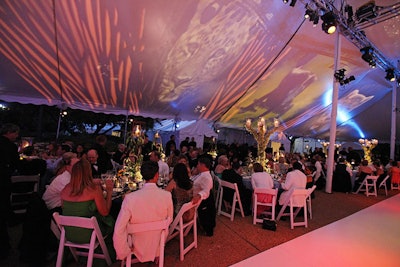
(367, 146)
(262, 136)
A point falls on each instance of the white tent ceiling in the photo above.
(222, 61)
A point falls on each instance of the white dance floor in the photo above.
(370, 237)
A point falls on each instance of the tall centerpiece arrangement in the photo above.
(261, 135)
(367, 146)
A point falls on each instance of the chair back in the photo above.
(161, 226)
(217, 188)
(235, 199)
(96, 239)
(182, 228)
(256, 202)
(22, 188)
(383, 183)
(296, 201)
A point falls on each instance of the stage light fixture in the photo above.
(285, 1)
(308, 14)
(339, 74)
(368, 56)
(390, 75)
(292, 3)
(329, 22)
(372, 64)
(315, 20)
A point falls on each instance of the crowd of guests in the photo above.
(71, 184)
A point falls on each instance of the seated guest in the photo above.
(223, 164)
(363, 171)
(379, 171)
(394, 172)
(163, 167)
(341, 180)
(233, 176)
(97, 168)
(52, 195)
(145, 205)
(84, 197)
(202, 190)
(120, 154)
(261, 179)
(103, 158)
(79, 150)
(181, 188)
(295, 179)
(281, 167)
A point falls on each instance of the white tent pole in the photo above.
(126, 127)
(393, 122)
(59, 124)
(332, 132)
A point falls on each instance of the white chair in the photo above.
(308, 200)
(217, 188)
(256, 203)
(181, 228)
(298, 200)
(96, 239)
(161, 226)
(232, 206)
(23, 186)
(383, 184)
(368, 183)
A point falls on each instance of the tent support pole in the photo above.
(58, 125)
(393, 121)
(126, 127)
(332, 132)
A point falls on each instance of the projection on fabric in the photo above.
(222, 61)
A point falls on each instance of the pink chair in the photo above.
(181, 228)
(134, 228)
(96, 239)
(273, 193)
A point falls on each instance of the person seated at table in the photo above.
(281, 167)
(84, 197)
(363, 171)
(145, 205)
(52, 195)
(379, 171)
(341, 180)
(181, 188)
(232, 175)
(223, 164)
(261, 179)
(394, 172)
(202, 190)
(295, 179)
(97, 168)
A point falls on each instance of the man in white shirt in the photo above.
(202, 186)
(52, 196)
(163, 168)
(148, 204)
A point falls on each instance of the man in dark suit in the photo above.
(233, 176)
(104, 159)
(8, 163)
(97, 168)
